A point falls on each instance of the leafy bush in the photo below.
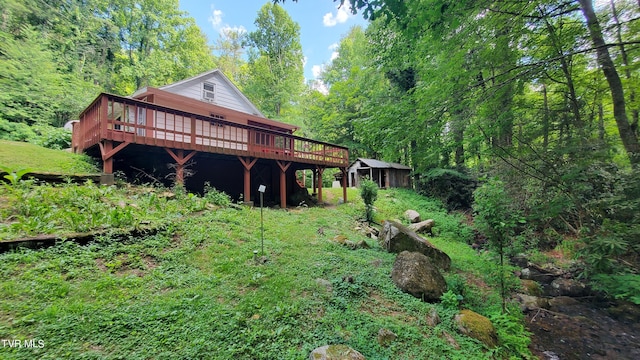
(497, 219)
(454, 188)
(15, 131)
(43, 135)
(623, 286)
(369, 194)
(52, 137)
(450, 300)
(216, 197)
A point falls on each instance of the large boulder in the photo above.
(335, 352)
(414, 273)
(478, 327)
(396, 238)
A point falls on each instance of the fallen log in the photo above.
(47, 240)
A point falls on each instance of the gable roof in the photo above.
(207, 74)
(190, 105)
(377, 164)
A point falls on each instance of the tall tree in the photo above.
(628, 136)
(275, 61)
(230, 51)
(157, 40)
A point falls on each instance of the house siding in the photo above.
(224, 95)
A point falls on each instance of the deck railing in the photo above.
(112, 117)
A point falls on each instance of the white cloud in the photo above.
(342, 15)
(227, 29)
(320, 86)
(216, 17)
(334, 54)
(316, 70)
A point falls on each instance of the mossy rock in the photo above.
(531, 287)
(335, 352)
(478, 327)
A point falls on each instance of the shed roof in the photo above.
(377, 164)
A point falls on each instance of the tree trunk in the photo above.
(545, 119)
(627, 70)
(627, 135)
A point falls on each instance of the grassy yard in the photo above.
(20, 155)
(193, 290)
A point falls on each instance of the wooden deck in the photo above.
(128, 121)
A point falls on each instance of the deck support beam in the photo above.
(247, 163)
(343, 170)
(283, 165)
(320, 170)
(108, 151)
(180, 160)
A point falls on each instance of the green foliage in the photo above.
(622, 286)
(69, 208)
(453, 187)
(52, 137)
(496, 218)
(13, 176)
(275, 61)
(196, 283)
(216, 197)
(16, 131)
(494, 214)
(369, 194)
(512, 334)
(450, 300)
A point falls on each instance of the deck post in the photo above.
(320, 171)
(107, 151)
(180, 161)
(344, 183)
(283, 165)
(107, 162)
(247, 163)
(314, 181)
(180, 168)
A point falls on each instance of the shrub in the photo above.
(369, 194)
(454, 188)
(496, 218)
(16, 131)
(215, 196)
(52, 137)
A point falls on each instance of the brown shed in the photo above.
(385, 174)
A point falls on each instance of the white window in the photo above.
(208, 91)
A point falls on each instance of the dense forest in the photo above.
(524, 111)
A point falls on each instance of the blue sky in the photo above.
(322, 24)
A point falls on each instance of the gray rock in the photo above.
(386, 337)
(335, 352)
(396, 238)
(412, 215)
(530, 303)
(414, 273)
(433, 318)
(568, 287)
(423, 226)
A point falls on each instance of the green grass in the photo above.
(194, 290)
(20, 155)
